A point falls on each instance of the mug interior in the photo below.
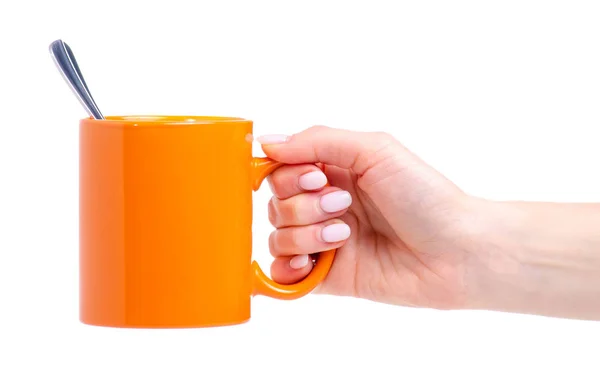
(135, 120)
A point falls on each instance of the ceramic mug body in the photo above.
(166, 223)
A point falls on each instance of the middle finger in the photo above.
(309, 208)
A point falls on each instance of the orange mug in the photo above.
(166, 223)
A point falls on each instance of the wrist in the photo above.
(538, 258)
(494, 278)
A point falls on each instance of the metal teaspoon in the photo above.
(67, 65)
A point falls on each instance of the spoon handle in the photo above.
(67, 64)
(80, 76)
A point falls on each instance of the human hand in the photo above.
(406, 235)
(400, 227)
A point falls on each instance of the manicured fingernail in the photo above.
(272, 139)
(336, 201)
(313, 180)
(299, 262)
(335, 232)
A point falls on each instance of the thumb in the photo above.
(346, 149)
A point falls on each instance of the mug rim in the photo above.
(154, 120)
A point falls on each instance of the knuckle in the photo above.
(382, 137)
(378, 147)
(271, 182)
(283, 241)
(294, 238)
(274, 185)
(273, 243)
(273, 219)
(277, 181)
(281, 182)
(290, 212)
(318, 128)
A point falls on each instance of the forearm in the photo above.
(538, 258)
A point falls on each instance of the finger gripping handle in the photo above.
(262, 284)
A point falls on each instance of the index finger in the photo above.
(291, 180)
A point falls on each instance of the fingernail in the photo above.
(313, 180)
(272, 139)
(299, 262)
(335, 232)
(336, 201)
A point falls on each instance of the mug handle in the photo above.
(262, 284)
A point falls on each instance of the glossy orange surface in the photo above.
(166, 223)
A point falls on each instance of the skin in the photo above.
(418, 240)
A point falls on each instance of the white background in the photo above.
(503, 97)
